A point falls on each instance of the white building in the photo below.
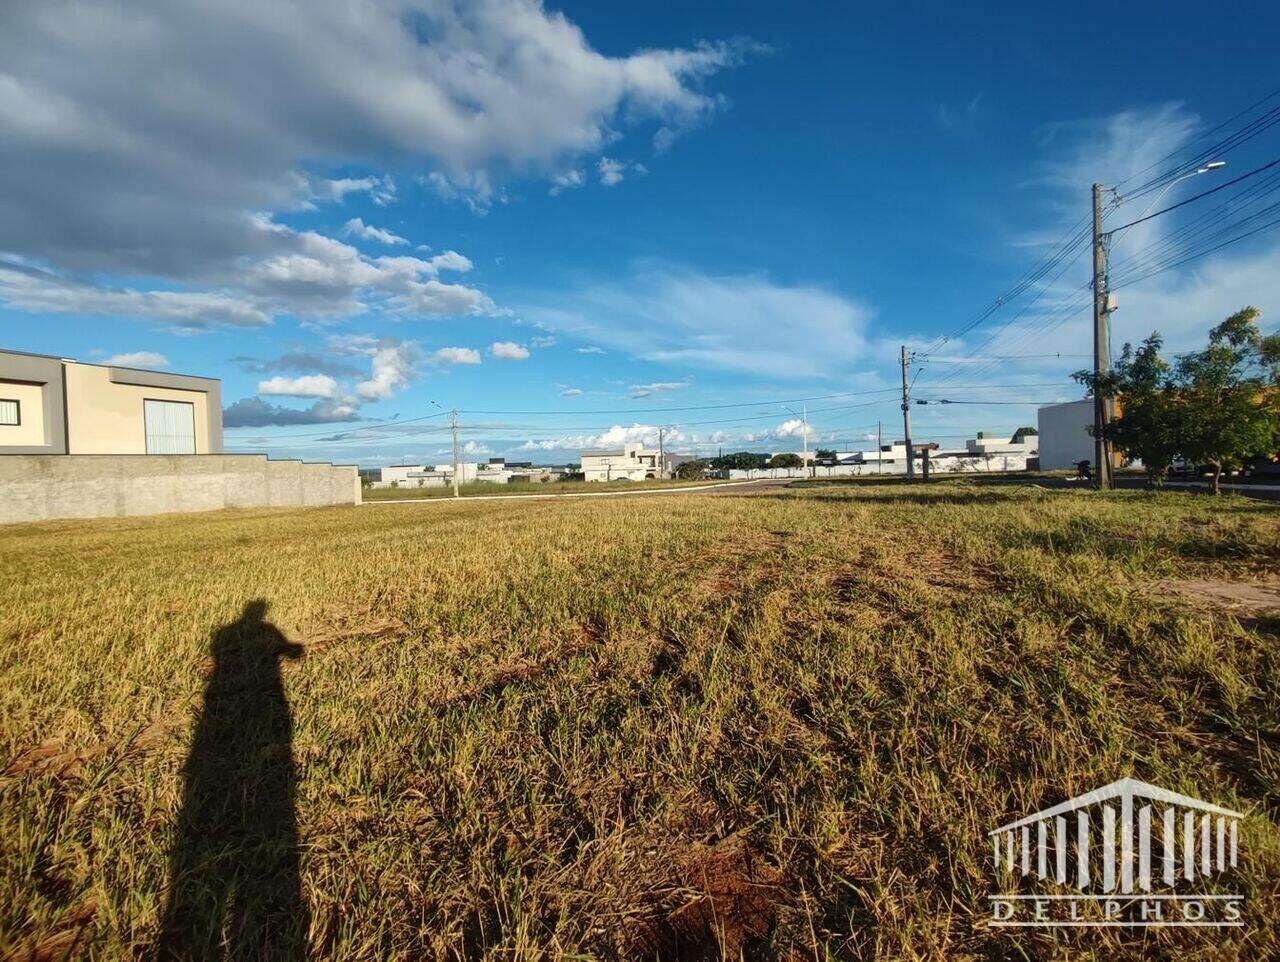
(427, 476)
(982, 454)
(1064, 435)
(632, 463)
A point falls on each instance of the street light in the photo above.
(1207, 168)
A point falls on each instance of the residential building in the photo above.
(53, 405)
(1064, 439)
(632, 463)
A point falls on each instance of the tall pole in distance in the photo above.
(453, 425)
(804, 418)
(662, 457)
(906, 416)
(879, 449)
(1101, 360)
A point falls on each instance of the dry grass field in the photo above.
(487, 489)
(772, 726)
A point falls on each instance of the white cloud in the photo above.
(307, 385)
(571, 392)
(253, 412)
(475, 447)
(43, 292)
(739, 323)
(542, 341)
(457, 355)
(663, 138)
(610, 170)
(358, 228)
(107, 172)
(614, 437)
(508, 351)
(567, 180)
(657, 387)
(790, 428)
(382, 190)
(392, 362)
(147, 359)
(589, 350)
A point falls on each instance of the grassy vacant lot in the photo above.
(773, 726)
(552, 487)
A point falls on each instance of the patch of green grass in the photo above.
(772, 724)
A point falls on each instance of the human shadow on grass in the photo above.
(235, 891)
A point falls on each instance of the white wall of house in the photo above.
(631, 464)
(1064, 435)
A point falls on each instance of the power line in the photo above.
(1192, 200)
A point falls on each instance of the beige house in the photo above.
(52, 405)
(632, 463)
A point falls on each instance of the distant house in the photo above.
(1064, 439)
(632, 463)
(53, 405)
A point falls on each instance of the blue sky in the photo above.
(580, 222)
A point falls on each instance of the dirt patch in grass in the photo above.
(730, 900)
(1247, 598)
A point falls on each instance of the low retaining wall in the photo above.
(42, 487)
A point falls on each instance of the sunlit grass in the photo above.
(478, 488)
(518, 728)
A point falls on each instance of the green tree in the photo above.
(1217, 407)
(1227, 395)
(1023, 433)
(740, 461)
(786, 460)
(1148, 425)
(825, 456)
(694, 470)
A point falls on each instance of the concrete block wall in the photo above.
(42, 487)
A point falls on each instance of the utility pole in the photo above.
(453, 425)
(906, 416)
(662, 457)
(804, 417)
(879, 449)
(1101, 359)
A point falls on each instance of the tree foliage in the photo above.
(740, 461)
(786, 460)
(694, 470)
(1217, 407)
(1230, 410)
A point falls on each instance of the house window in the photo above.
(170, 426)
(10, 412)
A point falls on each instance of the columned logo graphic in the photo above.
(1126, 854)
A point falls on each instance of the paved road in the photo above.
(735, 487)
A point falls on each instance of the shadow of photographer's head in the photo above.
(252, 639)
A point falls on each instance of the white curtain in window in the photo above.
(8, 412)
(171, 427)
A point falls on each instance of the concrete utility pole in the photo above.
(804, 418)
(906, 416)
(879, 449)
(662, 457)
(453, 425)
(1101, 358)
